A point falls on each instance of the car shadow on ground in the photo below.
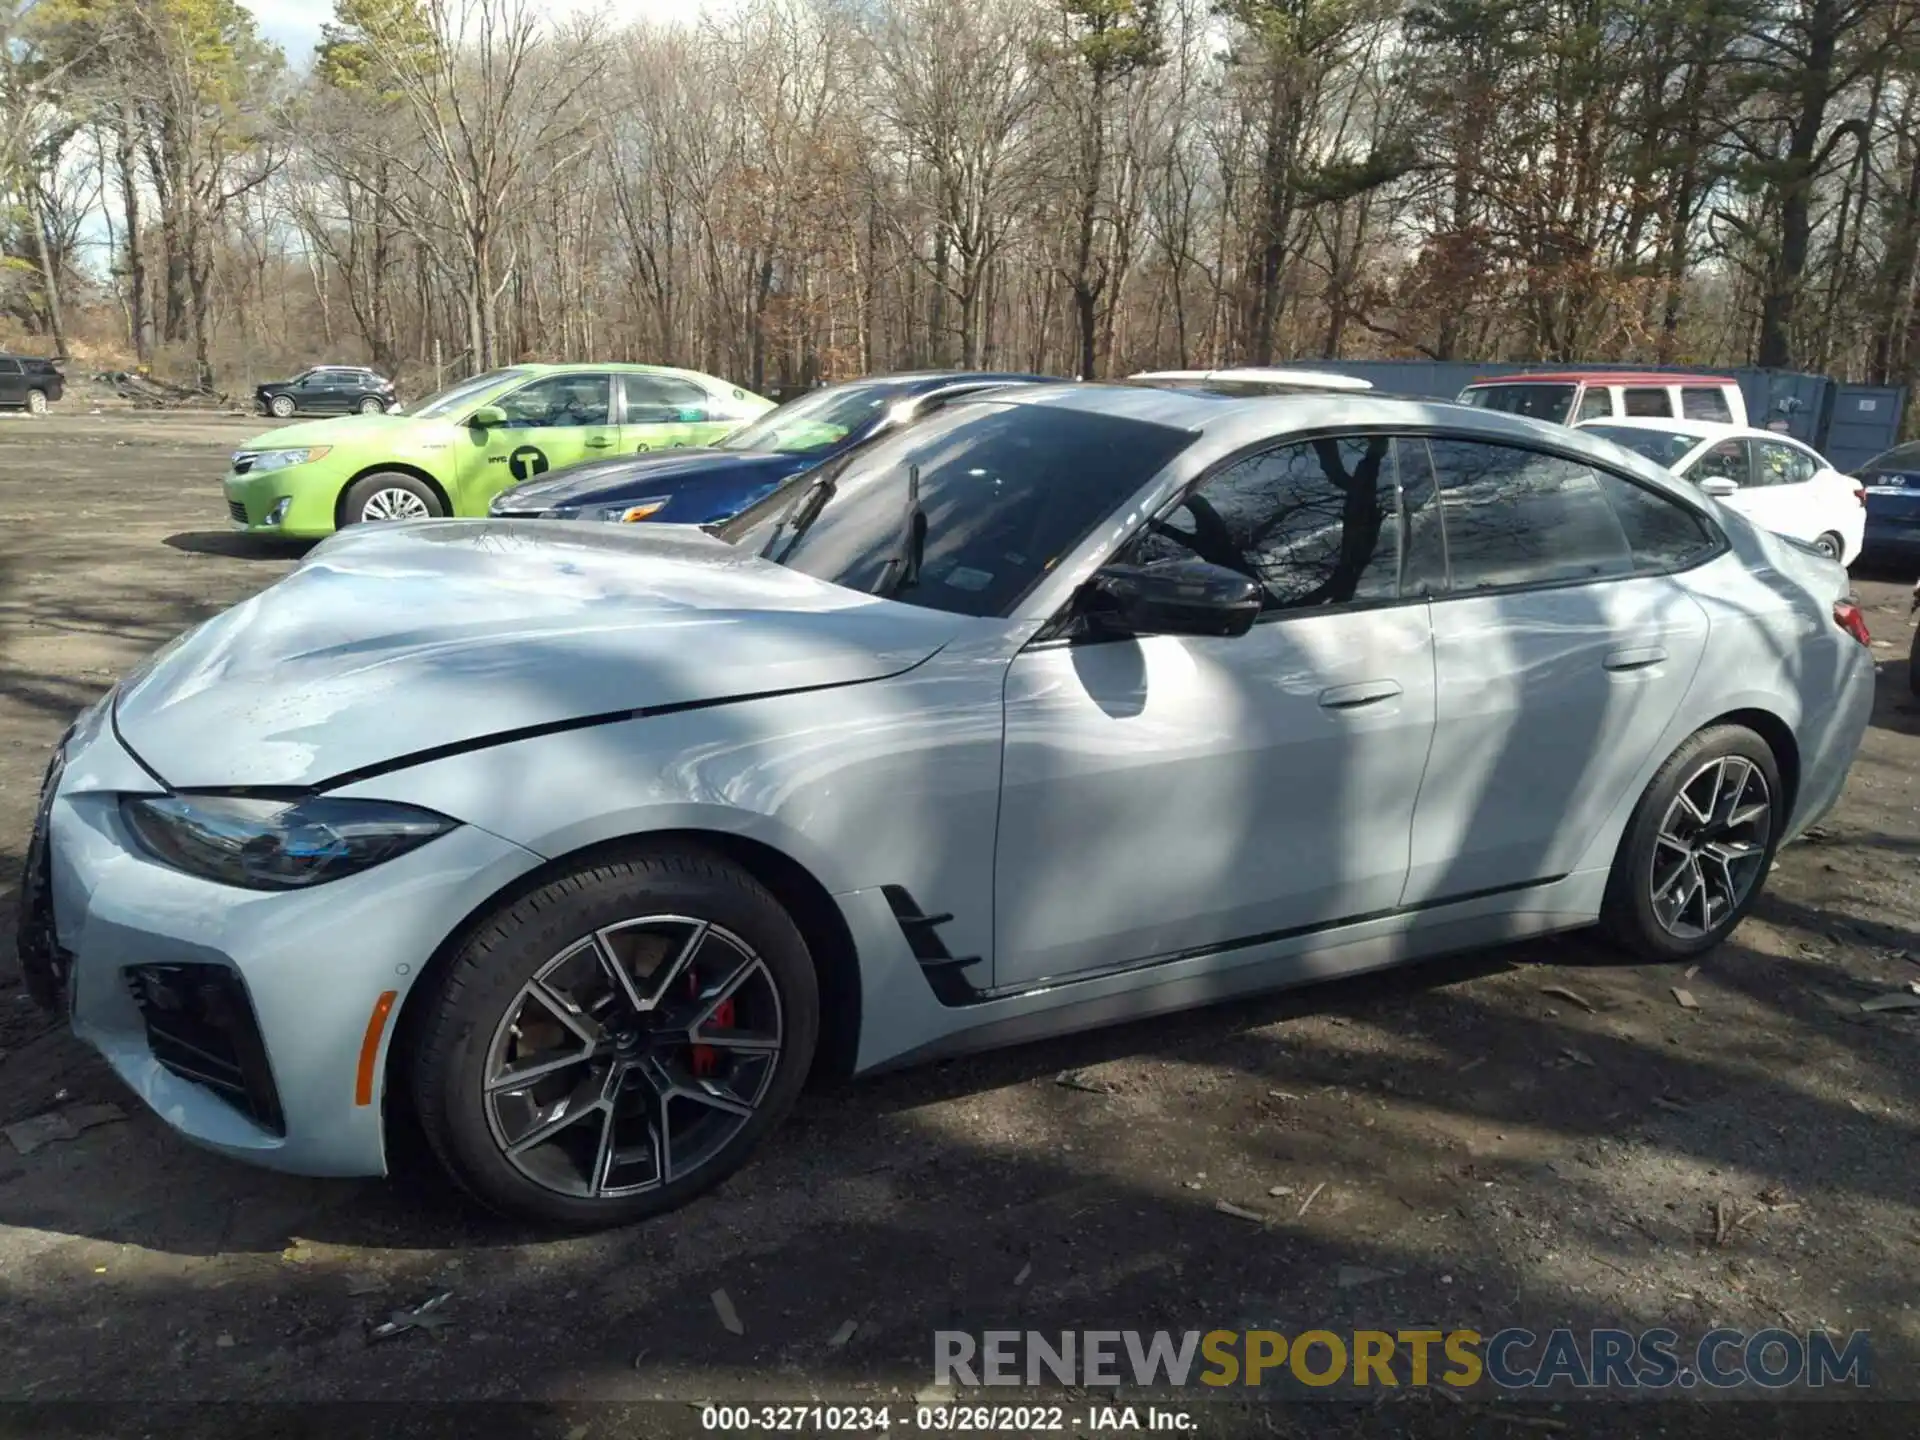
(235, 545)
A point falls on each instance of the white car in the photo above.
(1774, 480)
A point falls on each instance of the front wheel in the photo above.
(372, 405)
(36, 402)
(1698, 848)
(390, 495)
(617, 1042)
(282, 406)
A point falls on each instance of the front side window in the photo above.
(1313, 524)
(1705, 402)
(559, 400)
(10, 367)
(1517, 517)
(1596, 403)
(1536, 401)
(662, 399)
(1725, 461)
(1648, 400)
(963, 512)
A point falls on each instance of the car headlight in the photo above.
(628, 512)
(265, 460)
(276, 844)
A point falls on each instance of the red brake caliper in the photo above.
(704, 1057)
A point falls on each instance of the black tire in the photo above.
(282, 406)
(373, 405)
(484, 982)
(1627, 915)
(380, 491)
(36, 402)
(1913, 664)
(1832, 546)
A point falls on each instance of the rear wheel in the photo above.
(36, 402)
(390, 495)
(1830, 545)
(1698, 848)
(281, 405)
(620, 1040)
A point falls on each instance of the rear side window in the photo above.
(661, 399)
(1314, 524)
(1648, 400)
(1662, 534)
(1777, 464)
(1517, 517)
(1705, 402)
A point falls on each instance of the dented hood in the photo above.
(394, 640)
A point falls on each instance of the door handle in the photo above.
(1635, 659)
(1352, 697)
(599, 442)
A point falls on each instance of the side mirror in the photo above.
(1719, 486)
(1171, 597)
(487, 417)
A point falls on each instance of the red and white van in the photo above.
(1568, 397)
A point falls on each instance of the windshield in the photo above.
(1663, 447)
(1536, 402)
(816, 421)
(1901, 457)
(1005, 491)
(455, 396)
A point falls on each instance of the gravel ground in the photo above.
(1520, 1136)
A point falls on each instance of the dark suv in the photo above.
(29, 383)
(327, 390)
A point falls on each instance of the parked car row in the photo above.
(974, 709)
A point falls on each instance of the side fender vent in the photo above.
(944, 970)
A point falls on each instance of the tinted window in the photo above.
(1901, 457)
(1540, 402)
(1515, 517)
(1648, 400)
(1663, 447)
(1314, 524)
(9, 367)
(1006, 491)
(561, 400)
(1661, 533)
(1596, 403)
(1705, 402)
(661, 399)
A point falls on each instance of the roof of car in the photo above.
(1605, 377)
(1264, 374)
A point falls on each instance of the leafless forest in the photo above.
(794, 190)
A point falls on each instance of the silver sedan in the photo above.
(1069, 705)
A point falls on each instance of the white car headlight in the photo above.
(265, 460)
(629, 512)
(261, 844)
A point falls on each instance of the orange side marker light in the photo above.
(370, 1047)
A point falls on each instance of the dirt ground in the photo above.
(1523, 1136)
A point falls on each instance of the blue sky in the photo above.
(294, 25)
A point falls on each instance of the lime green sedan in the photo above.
(454, 453)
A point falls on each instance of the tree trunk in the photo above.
(49, 272)
(1779, 305)
(139, 323)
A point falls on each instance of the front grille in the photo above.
(238, 511)
(201, 1026)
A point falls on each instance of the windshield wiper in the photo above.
(903, 569)
(803, 513)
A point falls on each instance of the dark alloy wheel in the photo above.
(1698, 848)
(618, 1041)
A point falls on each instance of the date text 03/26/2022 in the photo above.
(945, 1418)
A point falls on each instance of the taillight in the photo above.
(1847, 616)
(1860, 494)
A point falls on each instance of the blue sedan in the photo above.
(1892, 480)
(702, 487)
